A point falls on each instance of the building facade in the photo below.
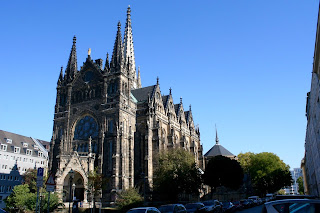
(105, 119)
(294, 188)
(311, 160)
(18, 154)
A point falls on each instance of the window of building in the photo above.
(29, 152)
(2, 188)
(3, 147)
(25, 159)
(12, 158)
(36, 147)
(25, 145)
(40, 154)
(8, 140)
(16, 149)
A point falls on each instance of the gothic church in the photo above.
(105, 119)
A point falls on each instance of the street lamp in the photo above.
(71, 176)
(73, 190)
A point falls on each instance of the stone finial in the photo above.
(89, 52)
(180, 100)
(157, 80)
(74, 39)
(170, 90)
(217, 139)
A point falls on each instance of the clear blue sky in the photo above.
(243, 65)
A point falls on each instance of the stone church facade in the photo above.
(105, 119)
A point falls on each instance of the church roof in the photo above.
(218, 149)
(142, 94)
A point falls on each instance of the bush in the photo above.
(128, 199)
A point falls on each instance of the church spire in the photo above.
(139, 79)
(60, 76)
(72, 66)
(217, 139)
(128, 48)
(107, 66)
(117, 55)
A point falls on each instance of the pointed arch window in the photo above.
(85, 128)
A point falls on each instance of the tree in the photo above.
(176, 174)
(300, 185)
(96, 183)
(223, 171)
(21, 199)
(267, 171)
(128, 199)
(30, 178)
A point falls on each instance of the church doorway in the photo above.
(73, 188)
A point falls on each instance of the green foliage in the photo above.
(267, 171)
(21, 199)
(54, 202)
(96, 182)
(30, 178)
(300, 184)
(128, 199)
(223, 171)
(176, 173)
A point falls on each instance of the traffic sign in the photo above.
(50, 188)
(50, 181)
(40, 177)
(40, 172)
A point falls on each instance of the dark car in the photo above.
(238, 205)
(212, 206)
(292, 205)
(144, 210)
(195, 207)
(172, 208)
(228, 207)
(245, 203)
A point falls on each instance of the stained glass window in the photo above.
(85, 128)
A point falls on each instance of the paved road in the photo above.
(256, 209)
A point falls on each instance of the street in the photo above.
(256, 209)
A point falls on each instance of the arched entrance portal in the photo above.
(77, 187)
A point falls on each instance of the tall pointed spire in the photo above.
(107, 66)
(72, 66)
(60, 76)
(117, 55)
(217, 139)
(139, 79)
(128, 48)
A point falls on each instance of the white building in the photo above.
(18, 154)
(294, 188)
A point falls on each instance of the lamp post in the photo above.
(71, 176)
(73, 190)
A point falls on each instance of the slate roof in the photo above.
(218, 149)
(18, 141)
(165, 99)
(141, 94)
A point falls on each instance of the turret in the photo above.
(117, 55)
(72, 66)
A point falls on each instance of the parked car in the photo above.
(292, 205)
(228, 207)
(195, 207)
(255, 200)
(245, 203)
(251, 203)
(144, 210)
(212, 206)
(172, 208)
(238, 205)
